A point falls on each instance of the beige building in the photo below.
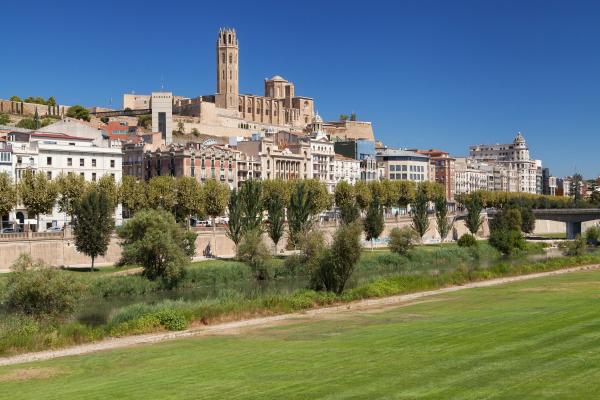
(514, 170)
(401, 164)
(292, 162)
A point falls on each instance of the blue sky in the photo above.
(443, 74)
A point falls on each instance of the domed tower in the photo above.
(227, 69)
(520, 148)
(317, 127)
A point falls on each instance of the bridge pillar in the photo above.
(573, 229)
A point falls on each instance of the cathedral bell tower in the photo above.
(227, 69)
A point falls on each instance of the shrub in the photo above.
(153, 239)
(338, 262)
(171, 319)
(35, 289)
(592, 235)
(467, 240)
(573, 247)
(402, 240)
(254, 252)
(507, 241)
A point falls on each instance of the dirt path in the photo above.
(237, 326)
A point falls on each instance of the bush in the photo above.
(337, 263)
(467, 240)
(507, 241)
(153, 239)
(35, 289)
(592, 235)
(401, 240)
(254, 252)
(573, 247)
(171, 319)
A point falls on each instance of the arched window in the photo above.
(230, 59)
(223, 58)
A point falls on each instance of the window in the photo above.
(69, 162)
(93, 162)
(49, 175)
(5, 157)
(112, 163)
(94, 176)
(48, 160)
(81, 162)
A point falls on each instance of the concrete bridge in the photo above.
(572, 217)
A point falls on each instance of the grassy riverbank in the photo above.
(533, 339)
(224, 290)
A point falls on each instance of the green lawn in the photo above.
(531, 340)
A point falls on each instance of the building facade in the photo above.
(55, 154)
(441, 170)
(515, 171)
(404, 165)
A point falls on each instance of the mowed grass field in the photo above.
(537, 339)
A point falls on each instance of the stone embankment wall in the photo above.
(28, 109)
(57, 250)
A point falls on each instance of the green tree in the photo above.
(37, 193)
(444, 225)
(93, 224)
(107, 185)
(299, 214)
(27, 123)
(4, 119)
(474, 204)
(189, 198)
(215, 197)
(420, 219)
(318, 196)
(71, 188)
(153, 240)
(253, 251)
(402, 240)
(51, 101)
(145, 121)
(527, 220)
(373, 222)
(275, 220)
(8, 194)
(575, 188)
(250, 196)
(132, 193)
(36, 289)
(338, 262)
(345, 200)
(406, 193)
(78, 112)
(162, 192)
(180, 127)
(15, 98)
(362, 195)
(276, 190)
(235, 223)
(505, 231)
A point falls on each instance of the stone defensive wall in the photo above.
(28, 109)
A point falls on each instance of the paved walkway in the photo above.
(234, 327)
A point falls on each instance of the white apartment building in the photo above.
(346, 169)
(514, 170)
(56, 153)
(472, 175)
(400, 164)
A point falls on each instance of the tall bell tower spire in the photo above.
(227, 69)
